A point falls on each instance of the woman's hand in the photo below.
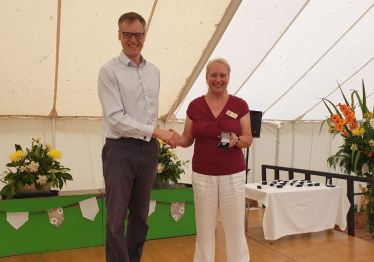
(234, 139)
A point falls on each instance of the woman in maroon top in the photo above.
(218, 177)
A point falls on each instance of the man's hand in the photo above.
(172, 138)
(177, 135)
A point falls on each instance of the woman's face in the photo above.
(218, 78)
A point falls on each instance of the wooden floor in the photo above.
(318, 247)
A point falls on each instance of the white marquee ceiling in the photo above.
(285, 54)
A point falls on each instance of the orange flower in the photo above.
(338, 127)
(346, 110)
(345, 133)
(342, 107)
(335, 118)
(353, 126)
(369, 154)
(349, 120)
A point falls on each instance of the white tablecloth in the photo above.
(294, 210)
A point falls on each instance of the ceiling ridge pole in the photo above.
(272, 47)
(54, 111)
(328, 50)
(216, 37)
(362, 67)
(151, 16)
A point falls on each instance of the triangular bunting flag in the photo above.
(17, 219)
(89, 208)
(177, 210)
(56, 216)
(152, 207)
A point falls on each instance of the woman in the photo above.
(218, 177)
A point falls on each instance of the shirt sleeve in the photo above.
(113, 110)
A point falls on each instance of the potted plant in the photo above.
(37, 168)
(356, 155)
(169, 166)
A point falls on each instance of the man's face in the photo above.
(132, 46)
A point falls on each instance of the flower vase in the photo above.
(365, 168)
(29, 189)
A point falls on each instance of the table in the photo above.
(295, 210)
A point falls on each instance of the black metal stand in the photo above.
(246, 166)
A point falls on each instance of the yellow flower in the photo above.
(55, 154)
(48, 146)
(160, 141)
(17, 156)
(358, 131)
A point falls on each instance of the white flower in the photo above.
(42, 180)
(23, 168)
(354, 147)
(33, 167)
(173, 154)
(372, 122)
(160, 168)
(371, 142)
(59, 211)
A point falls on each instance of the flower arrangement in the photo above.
(356, 155)
(37, 166)
(169, 167)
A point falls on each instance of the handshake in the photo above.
(171, 137)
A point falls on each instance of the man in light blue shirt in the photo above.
(128, 87)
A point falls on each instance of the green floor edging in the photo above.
(185, 226)
(39, 235)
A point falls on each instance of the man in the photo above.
(128, 87)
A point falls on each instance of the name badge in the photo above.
(232, 114)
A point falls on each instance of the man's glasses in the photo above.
(128, 35)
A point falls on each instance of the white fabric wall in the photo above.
(299, 145)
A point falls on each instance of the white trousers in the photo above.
(228, 194)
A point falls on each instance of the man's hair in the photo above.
(130, 18)
(217, 60)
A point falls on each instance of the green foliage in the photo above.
(36, 166)
(169, 167)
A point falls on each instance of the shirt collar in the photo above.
(127, 62)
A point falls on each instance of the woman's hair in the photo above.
(130, 18)
(218, 60)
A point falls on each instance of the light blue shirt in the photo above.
(129, 98)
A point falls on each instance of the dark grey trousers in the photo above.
(129, 167)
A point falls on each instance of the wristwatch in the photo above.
(237, 136)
